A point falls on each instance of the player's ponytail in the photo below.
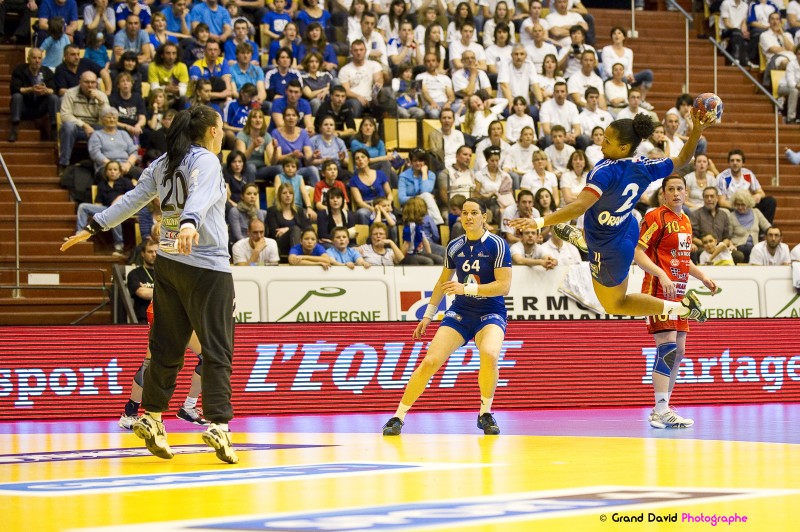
(187, 128)
(633, 131)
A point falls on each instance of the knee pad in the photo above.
(199, 367)
(665, 358)
(138, 377)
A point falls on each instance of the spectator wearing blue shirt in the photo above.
(53, 46)
(276, 80)
(293, 141)
(289, 176)
(134, 39)
(312, 12)
(236, 111)
(244, 72)
(418, 181)
(159, 34)
(366, 186)
(314, 41)
(178, 19)
(213, 68)
(66, 9)
(341, 254)
(215, 16)
(309, 252)
(132, 7)
(276, 20)
(290, 40)
(240, 31)
(293, 99)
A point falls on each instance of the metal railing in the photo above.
(15, 293)
(775, 104)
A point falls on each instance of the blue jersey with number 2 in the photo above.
(474, 262)
(618, 184)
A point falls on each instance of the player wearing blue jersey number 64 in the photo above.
(482, 264)
(612, 189)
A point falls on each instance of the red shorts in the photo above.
(667, 323)
(150, 314)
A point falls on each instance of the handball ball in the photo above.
(708, 102)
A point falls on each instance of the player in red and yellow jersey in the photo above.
(663, 252)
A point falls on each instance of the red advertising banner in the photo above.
(65, 372)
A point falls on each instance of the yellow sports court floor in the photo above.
(738, 468)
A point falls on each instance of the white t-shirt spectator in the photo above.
(511, 212)
(579, 83)
(592, 119)
(571, 18)
(533, 182)
(520, 158)
(518, 248)
(436, 85)
(537, 55)
(520, 80)
(452, 143)
(524, 36)
(566, 255)
(461, 80)
(768, 39)
(241, 252)
(559, 158)
(795, 254)
(565, 115)
(480, 160)
(360, 78)
(760, 256)
(457, 49)
(735, 15)
(498, 56)
(610, 58)
(515, 124)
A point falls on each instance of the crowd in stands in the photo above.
(520, 89)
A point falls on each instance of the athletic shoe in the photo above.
(571, 234)
(393, 427)
(126, 422)
(669, 419)
(154, 436)
(192, 415)
(487, 423)
(692, 302)
(220, 440)
(652, 413)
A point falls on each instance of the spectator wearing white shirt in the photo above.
(569, 57)
(462, 11)
(523, 252)
(618, 53)
(634, 107)
(790, 87)
(575, 6)
(672, 121)
(499, 52)
(469, 79)
(559, 151)
(565, 253)
(591, 117)
(561, 20)
(519, 78)
(373, 40)
(795, 255)
(733, 26)
(574, 179)
(541, 178)
(502, 12)
(457, 178)
(520, 156)
(494, 139)
(359, 77)
(523, 209)
(444, 144)
(777, 46)
(584, 79)
(437, 89)
(758, 22)
(559, 110)
(771, 251)
(793, 17)
(526, 31)
(539, 48)
(458, 47)
(594, 153)
(518, 119)
(256, 249)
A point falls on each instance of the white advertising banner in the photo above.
(310, 294)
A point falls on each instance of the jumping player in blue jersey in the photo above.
(193, 284)
(612, 189)
(482, 264)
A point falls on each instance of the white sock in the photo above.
(675, 308)
(662, 403)
(486, 404)
(402, 410)
(189, 403)
(223, 426)
(154, 415)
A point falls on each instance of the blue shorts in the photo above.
(468, 324)
(611, 265)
